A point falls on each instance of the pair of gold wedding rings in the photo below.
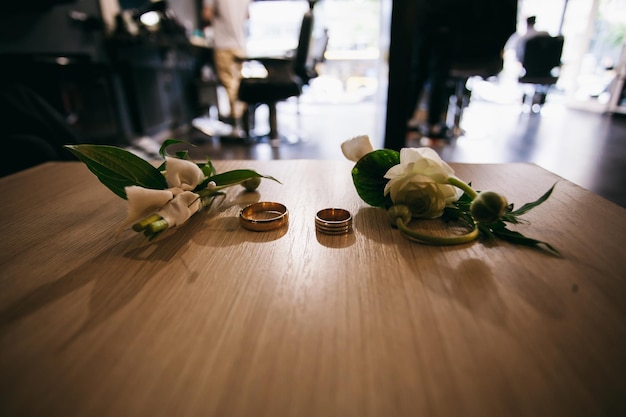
(268, 215)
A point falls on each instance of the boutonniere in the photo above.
(416, 183)
(165, 196)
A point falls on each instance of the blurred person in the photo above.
(518, 42)
(431, 61)
(228, 20)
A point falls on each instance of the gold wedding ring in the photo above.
(333, 221)
(264, 216)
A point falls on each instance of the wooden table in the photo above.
(215, 320)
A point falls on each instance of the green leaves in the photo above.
(499, 230)
(207, 167)
(117, 168)
(169, 142)
(233, 177)
(369, 179)
(528, 206)
(460, 210)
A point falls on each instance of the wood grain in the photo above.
(215, 320)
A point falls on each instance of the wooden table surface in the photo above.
(215, 320)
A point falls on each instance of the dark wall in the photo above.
(59, 50)
(49, 27)
(60, 27)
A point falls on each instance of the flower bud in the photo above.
(251, 184)
(357, 147)
(488, 207)
(398, 211)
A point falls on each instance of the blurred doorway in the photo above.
(353, 77)
(593, 53)
(357, 30)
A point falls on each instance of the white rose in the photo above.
(420, 181)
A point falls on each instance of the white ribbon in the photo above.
(182, 174)
(175, 204)
(180, 209)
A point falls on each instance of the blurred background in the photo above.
(133, 73)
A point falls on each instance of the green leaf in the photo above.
(182, 154)
(451, 213)
(233, 177)
(369, 176)
(463, 203)
(465, 199)
(207, 168)
(117, 168)
(454, 214)
(486, 232)
(511, 218)
(170, 142)
(528, 206)
(518, 238)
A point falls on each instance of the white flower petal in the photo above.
(180, 209)
(395, 171)
(182, 174)
(429, 153)
(425, 155)
(357, 147)
(450, 193)
(408, 155)
(142, 202)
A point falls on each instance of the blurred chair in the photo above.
(541, 64)
(285, 77)
(484, 28)
(461, 72)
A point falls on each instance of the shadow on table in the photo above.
(378, 228)
(111, 292)
(465, 277)
(471, 284)
(225, 218)
(115, 289)
(340, 241)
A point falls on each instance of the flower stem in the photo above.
(141, 225)
(463, 186)
(435, 240)
(156, 227)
